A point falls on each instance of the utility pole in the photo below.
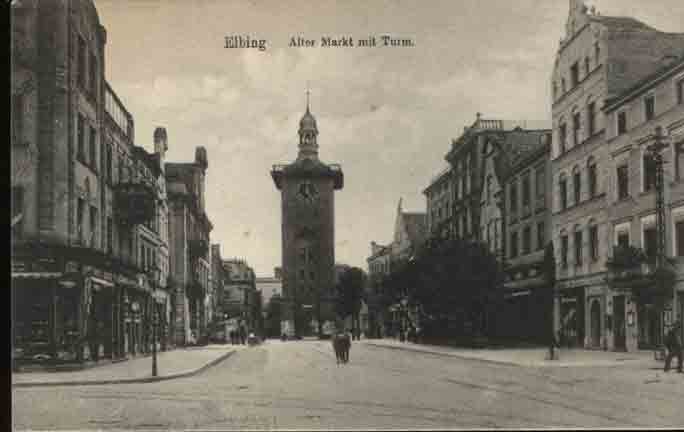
(657, 160)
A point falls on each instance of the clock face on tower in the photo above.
(307, 192)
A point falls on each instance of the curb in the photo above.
(150, 379)
(500, 362)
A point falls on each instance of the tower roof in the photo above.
(308, 122)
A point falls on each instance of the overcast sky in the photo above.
(387, 115)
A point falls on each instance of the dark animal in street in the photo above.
(341, 344)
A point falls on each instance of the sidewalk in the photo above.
(177, 363)
(529, 357)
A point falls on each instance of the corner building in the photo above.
(599, 58)
(308, 188)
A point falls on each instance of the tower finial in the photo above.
(308, 93)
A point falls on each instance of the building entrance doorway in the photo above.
(595, 325)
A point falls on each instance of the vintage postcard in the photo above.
(327, 214)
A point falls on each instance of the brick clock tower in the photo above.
(307, 188)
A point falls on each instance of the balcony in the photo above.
(135, 203)
(198, 248)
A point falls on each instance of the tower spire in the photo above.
(308, 93)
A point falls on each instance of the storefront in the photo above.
(571, 317)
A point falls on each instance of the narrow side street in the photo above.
(298, 385)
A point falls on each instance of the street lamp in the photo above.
(154, 272)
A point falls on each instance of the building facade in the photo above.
(80, 289)
(641, 314)
(189, 230)
(438, 196)
(307, 188)
(240, 298)
(525, 175)
(598, 58)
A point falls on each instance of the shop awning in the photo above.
(36, 275)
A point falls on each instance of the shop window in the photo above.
(527, 240)
(17, 211)
(514, 244)
(540, 236)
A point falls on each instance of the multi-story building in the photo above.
(525, 176)
(641, 315)
(189, 228)
(270, 286)
(439, 206)
(598, 59)
(219, 279)
(468, 157)
(379, 268)
(239, 295)
(80, 289)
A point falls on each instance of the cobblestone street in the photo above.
(299, 385)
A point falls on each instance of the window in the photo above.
(93, 74)
(526, 190)
(623, 181)
(623, 239)
(574, 74)
(563, 190)
(93, 226)
(679, 233)
(80, 208)
(621, 122)
(563, 87)
(578, 248)
(650, 241)
(312, 276)
(591, 174)
(586, 66)
(17, 210)
(80, 139)
(555, 90)
(563, 137)
(597, 53)
(591, 119)
(540, 186)
(93, 148)
(81, 61)
(577, 185)
(649, 172)
(110, 235)
(527, 240)
(649, 107)
(679, 88)
(541, 238)
(593, 242)
(18, 118)
(514, 197)
(576, 128)
(514, 244)
(679, 160)
(301, 274)
(302, 255)
(108, 162)
(564, 251)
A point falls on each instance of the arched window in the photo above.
(563, 248)
(576, 183)
(576, 125)
(593, 240)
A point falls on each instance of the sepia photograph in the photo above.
(346, 215)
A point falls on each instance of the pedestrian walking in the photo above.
(673, 344)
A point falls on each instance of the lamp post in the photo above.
(154, 272)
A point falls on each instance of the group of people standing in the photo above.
(238, 336)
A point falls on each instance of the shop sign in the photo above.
(19, 266)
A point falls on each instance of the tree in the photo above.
(350, 291)
(450, 279)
